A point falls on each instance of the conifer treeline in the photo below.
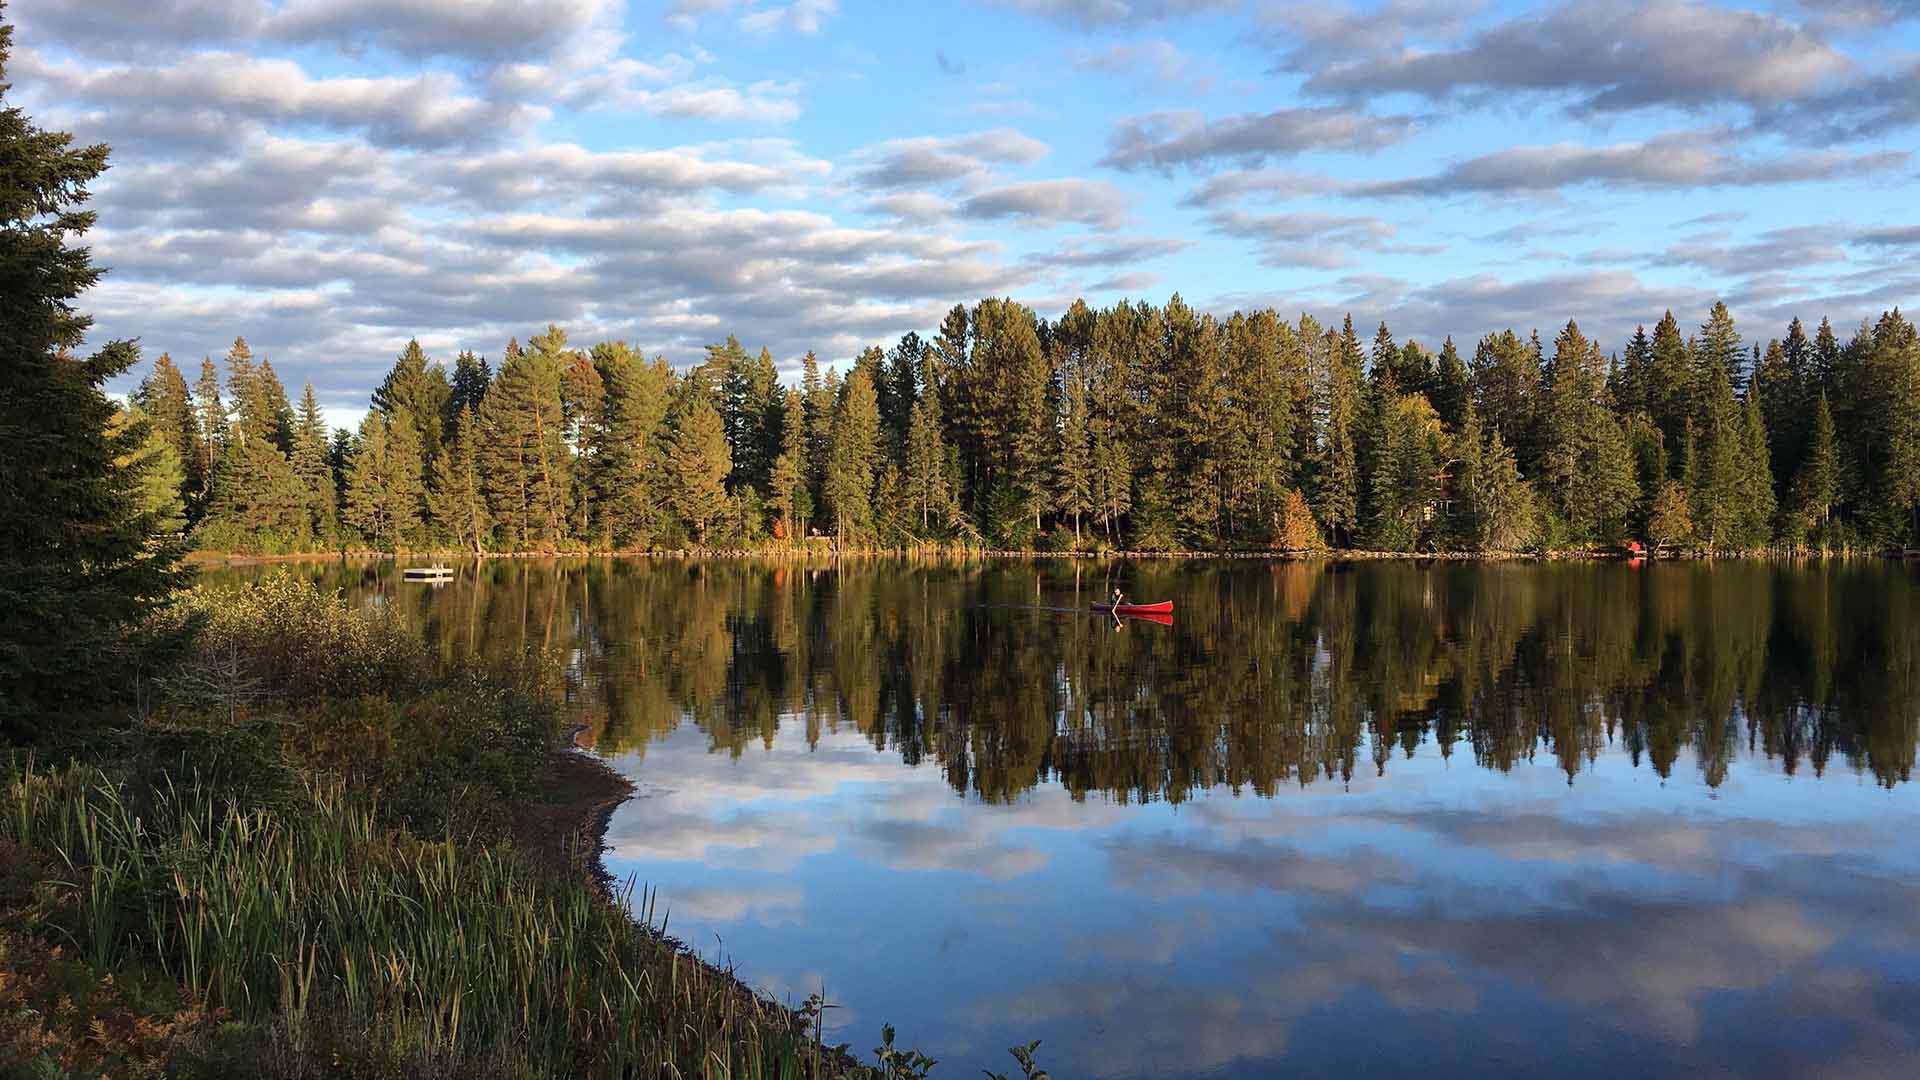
(1139, 427)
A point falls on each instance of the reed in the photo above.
(331, 935)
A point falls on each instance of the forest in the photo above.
(1134, 427)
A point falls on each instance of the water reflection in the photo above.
(1393, 818)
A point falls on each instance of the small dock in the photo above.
(427, 573)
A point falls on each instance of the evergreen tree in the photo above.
(211, 418)
(1757, 501)
(899, 390)
(1586, 466)
(697, 467)
(1714, 492)
(1072, 473)
(418, 389)
(1406, 480)
(929, 480)
(164, 397)
(1492, 504)
(788, 482)
(1007, 378)
(1817, 485)
(850, 470)
(275, 411)
(256, 503)
(78, 565)
(406, 491)
(311, 468)
(523, 454)
(468, 387)
(627, 469)
(816, 421)
(154, 465)
(1633, 384)
(1506, 383)
(1892, 371)
(457, 500)
(1669, 383)
(1452, 387)
(370, 483)
(1338, 472)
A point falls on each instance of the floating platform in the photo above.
(427, 573)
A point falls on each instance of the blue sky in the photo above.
(331, 177)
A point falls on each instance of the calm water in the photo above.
(1384, 819)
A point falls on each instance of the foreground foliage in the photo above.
(304, 860)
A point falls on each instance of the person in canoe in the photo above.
(1119, 601)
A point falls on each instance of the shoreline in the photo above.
(201, 558)
(567, 834)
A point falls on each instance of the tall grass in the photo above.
(336, 936)
(308, 834)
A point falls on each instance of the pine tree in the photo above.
(272, 405)
(788, 482)
(406, 492)
(1493, 507)
(418, 389)
(1669, 388)
(471, 377)
(311, 468)
(631, 454)
(1892, 407)
(457, 500)
(1506, 386)
(1714, 493)
(1406, 479)
(928, 482)
(1757, 501)
(164, 397)
(78, 568)
(1452, 387)
(1007, 377)
(256, 504)
(851, 465)
(370, 501)
(697, 467)
(523, 453)
(900, 392)
(1338, 497)
(816, 421)
(1817, 485)
(1072, 474)
(154, 465)
(211, 419)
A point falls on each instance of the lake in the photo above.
(1385, 818)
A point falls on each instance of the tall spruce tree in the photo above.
(523, 453)
(310, 466)
(1758, 501)
(164, 397)
(155, 466)
(627, 470)
(1337, 498)
(79, 567)
(854, 457)
(788, 482)
(697, 467)
(1816, 487)
(210, 414)
(457, 499)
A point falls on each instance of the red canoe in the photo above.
(1164, 607)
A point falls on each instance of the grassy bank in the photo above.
(313, 852)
